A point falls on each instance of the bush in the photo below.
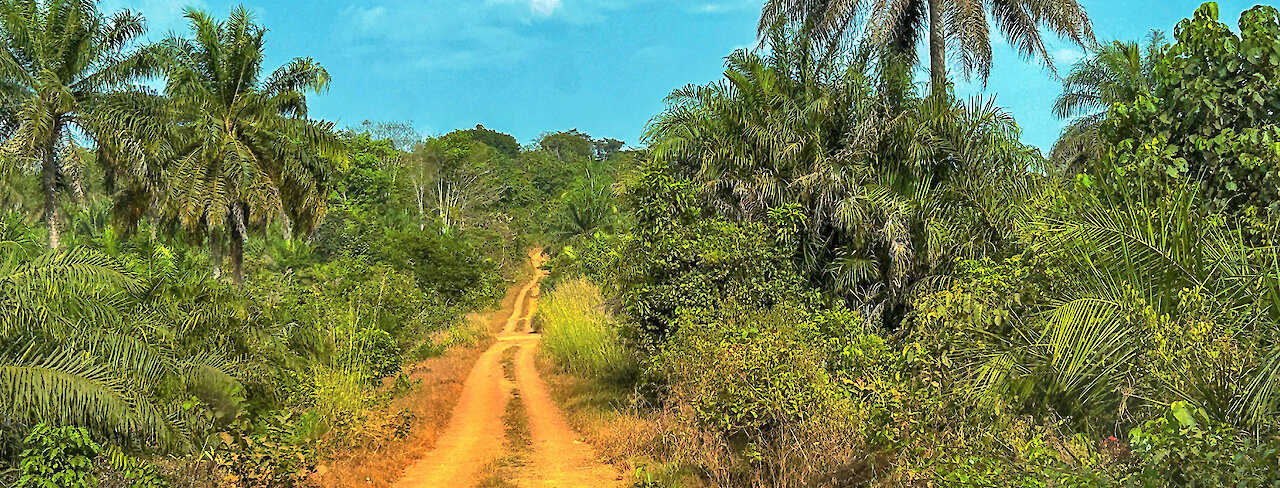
(270, 454)
(58, 457)
(1186, 448)
(448, 264)
(748, 370)
(579, 335)
(751, 395)
(374, 351)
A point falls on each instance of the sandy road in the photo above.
(475, 435)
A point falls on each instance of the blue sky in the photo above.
(602, 66)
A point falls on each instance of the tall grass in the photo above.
(579, 335)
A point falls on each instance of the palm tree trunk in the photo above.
(237, 258)
(937, 48)
(237, 244)
(215, 253)
(49, 185)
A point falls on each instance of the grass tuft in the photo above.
(579, 335)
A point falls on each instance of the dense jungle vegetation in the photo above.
(827, 274)
(819, 271)
(201, 285)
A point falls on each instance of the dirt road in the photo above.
(475, 436)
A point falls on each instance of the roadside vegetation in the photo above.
(830, 275)
(820, 270)
(200, 285)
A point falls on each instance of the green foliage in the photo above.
(1184, 447)
(701, 267)
(70, 72)
(377, 348)
(369, 178)
(748, 371)
(593, 256)
(448, 264)
(268, 455)
(879, 188)
(244, 153)
(1119, 72)
(58, 457)
(898, 26)
(1214, 115)
(504, 143)
(579, 334)
(569, 145)
(117, 468)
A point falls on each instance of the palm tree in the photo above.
(889, 187)
(64, 360)
(897, 25)
(87, 341)
(583, 211)
(1139, 275)
(245, 153)
(67, 70)
(1115, 73)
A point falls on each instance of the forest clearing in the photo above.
(834, 259)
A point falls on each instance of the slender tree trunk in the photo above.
(937, 48)
(286, 226)
(215, 253)
(237, 258)
(422, 211)
(49, 184)
(238, 237)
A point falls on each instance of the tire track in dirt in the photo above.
(474, 438)
(560, 458)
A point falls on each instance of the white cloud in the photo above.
(544, 7)
(541, 8)
(368, 18)
(446, 34)
(455, 35)
(1066, 57)
(724, 7)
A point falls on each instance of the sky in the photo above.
(526, 67)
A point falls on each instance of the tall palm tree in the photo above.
(1115, 73)
(245, 153)
(891, 187)
(66, 70)
(897, 25)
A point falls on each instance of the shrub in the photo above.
(119, 470)
(752, 401)
(748, 369)
(271, 453)
(448, 264)
(1185, 447)
(340, 392)
(374, 351)
(58, 457)
(579, 335)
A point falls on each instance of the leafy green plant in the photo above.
(1186, 448)
(272, 453)
(118, 469)
(58, 457)
(1213, 115)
